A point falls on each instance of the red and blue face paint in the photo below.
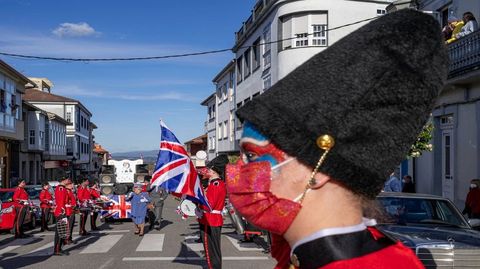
(248, 184)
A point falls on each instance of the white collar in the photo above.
(333, 231)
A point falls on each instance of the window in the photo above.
(246, 61)
(301, 40)
(219, 131)
(266, 47)
(219, 94)
(32, 137)
(225, 89)
(267, 82)
(256, 54)
(69, 116)
(319, 35)
(213, 111)
(239, 69)
(232, 127)
(381, 12)
(42, 138)
(225, 130)
(303, 30)
(3, 104)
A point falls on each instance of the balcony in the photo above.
(464, 56)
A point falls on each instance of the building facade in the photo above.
(79, 138)
(277, 37)
(448, 169)
(210, 125)
(12, 87)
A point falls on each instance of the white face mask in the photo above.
(472, 186)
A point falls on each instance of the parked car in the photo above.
(8, 213)
(432, 227)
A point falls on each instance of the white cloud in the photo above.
(68, 29)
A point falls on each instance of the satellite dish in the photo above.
(201, 155)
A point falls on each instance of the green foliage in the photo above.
(423, 142)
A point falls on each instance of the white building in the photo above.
(260, 61)
(455, 158)
(210, 125)
(225, 112)
(79, 139)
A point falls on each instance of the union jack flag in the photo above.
(174, 171)
(116, 207)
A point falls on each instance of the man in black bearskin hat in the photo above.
(318, 145)
(211, 221)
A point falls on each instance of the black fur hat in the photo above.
(372, 91)
(218, 164)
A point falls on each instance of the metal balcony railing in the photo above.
(464, 55)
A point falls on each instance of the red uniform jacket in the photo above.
(94, 194)
(83, 194)
(61, 197)
(216, 193)
(473, 200)
(19, 196)
(71, 202)
(45, 199)
(376, 252)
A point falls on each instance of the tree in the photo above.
(423, 142)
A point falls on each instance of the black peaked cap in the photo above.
(372, 91)
(218, 164)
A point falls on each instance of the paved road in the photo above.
(115, 246)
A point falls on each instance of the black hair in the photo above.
(468, 16)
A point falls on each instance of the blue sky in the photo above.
(127, 99)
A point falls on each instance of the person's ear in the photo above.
(319, 180)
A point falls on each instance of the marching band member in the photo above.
(94, 195)
(211, 222)
(20, 198)
(70, 209)
(319, 143)
(61, 198)
(46, 202)
(84, 195)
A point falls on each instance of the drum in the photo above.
(187, 208)
(62, 228)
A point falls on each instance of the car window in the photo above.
(420, 211)
(33, 193)
(6, 196)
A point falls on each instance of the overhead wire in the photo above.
(68, 59)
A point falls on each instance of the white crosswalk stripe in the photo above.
(15, 244)
(195, 247)
(103, 244)
(151, 242)
(243, 246)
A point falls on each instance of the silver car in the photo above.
(433, 228)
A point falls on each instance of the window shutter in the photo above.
(319, 18)
(287, 32)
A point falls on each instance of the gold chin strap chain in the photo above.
(325, 142)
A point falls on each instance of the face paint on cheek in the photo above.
(255, 144)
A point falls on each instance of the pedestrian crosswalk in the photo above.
(104, 241)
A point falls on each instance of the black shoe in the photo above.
(23, 236)
(84, 233)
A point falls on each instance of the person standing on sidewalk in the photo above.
(83, 195)
(139, 201)
(61, 197)
(158, 196)
(46, 202)
(20, 198)
(211, 222)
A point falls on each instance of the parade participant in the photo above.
(46, 202)
(61, 197)
(139, 201)
(211, 221)
(84, 195)
(319, 143)
(158, 196)
(71, 205)
(94, 195)
(20, 198)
